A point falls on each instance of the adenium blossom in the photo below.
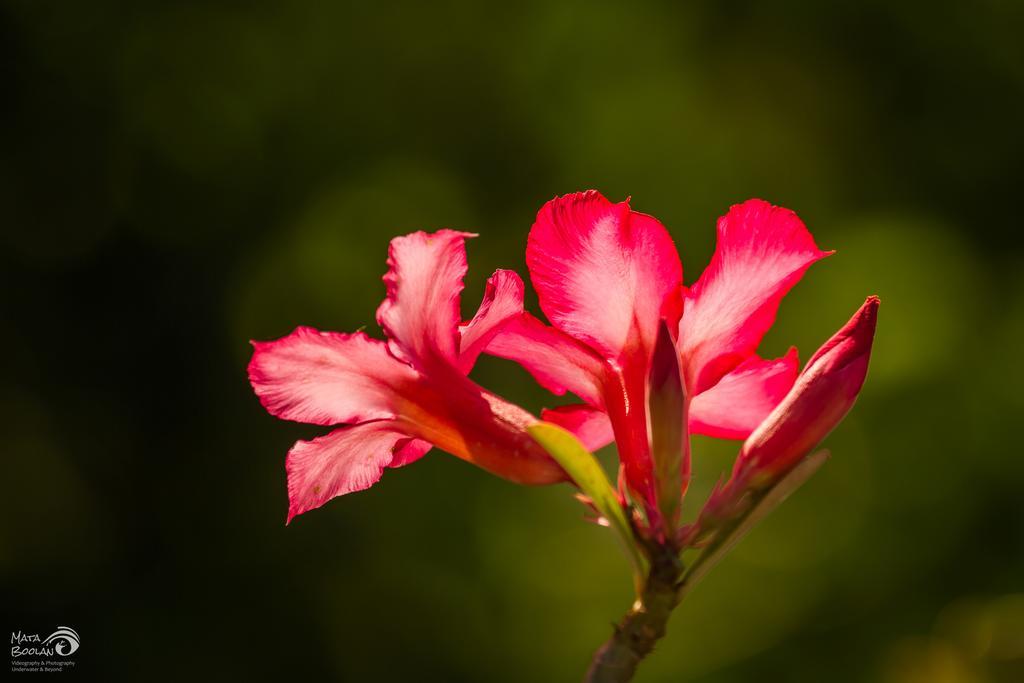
(610, 281)
(399, 397)
(652, 360)
(606, 276)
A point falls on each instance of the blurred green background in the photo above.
(180, 177)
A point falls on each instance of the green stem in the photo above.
(644, 624)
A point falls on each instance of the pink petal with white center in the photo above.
(346, 460)
(503, 299)
(558, 362)
(591, 426)
(762, 251)
(327, 377)
(424, 281)
(601, 271)
(741, 400)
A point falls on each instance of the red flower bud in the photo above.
(823, 394)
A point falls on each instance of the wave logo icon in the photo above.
(64, 640)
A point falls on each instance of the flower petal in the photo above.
(734, 407)
(424, 280)
(346, 460)
(601, 271)
(557, 361)
(730, 410)
(327, 377)
(409, 451)
(590, 425)
(762, 251)
(503, 299)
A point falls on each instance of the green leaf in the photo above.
(766, 501)
(584, 469)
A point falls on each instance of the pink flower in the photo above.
(606, 276)
(823, 394)
(397, 398)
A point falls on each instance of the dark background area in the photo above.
(178, 178)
